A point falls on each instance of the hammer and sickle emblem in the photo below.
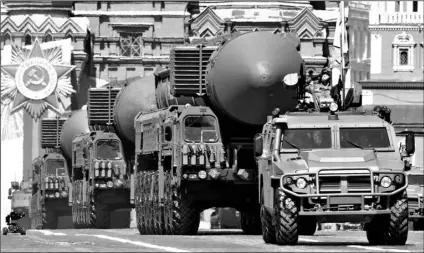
(36, 76)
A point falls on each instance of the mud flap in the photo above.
(132, 189)
(70, 200)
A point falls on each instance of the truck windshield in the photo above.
(312, 138)
(108, 149)
(364, 138)
(55, 167)
(200, 128)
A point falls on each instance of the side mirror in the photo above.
(258, 143)
(15, 185)
(10, 191)
(410, 143)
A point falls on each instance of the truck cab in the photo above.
(327, 167)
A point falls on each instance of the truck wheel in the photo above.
(377, 230)
(250, 221)
(139, 203)
(168, 210)
(398, 225)
(23, 231)
(287, 219)
(101, 216)
(49, 218)
(5, 231)
(307, 226)
(268, 231)
(186, 217)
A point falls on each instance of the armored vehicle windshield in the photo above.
(313, 138)
(200, 129)
(108, 149)
(56, 167)
(364, 137)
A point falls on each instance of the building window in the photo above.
(403, 57)
(403, 52)
(48, 37)
(162, 5)
(28, 39)
(397, 6)
(7, 39)
(415, 6)
(131, 44)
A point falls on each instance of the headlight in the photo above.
(386, 182)
(398, 179)
(118, 182)
(57, 194)
(109, 184)
(301, 183)
(97, 185)
(289, 180)
(202, 174)
(334, 107)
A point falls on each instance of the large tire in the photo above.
(392, 229)
(268, 230)
(186, 217)
(101, 216)
(307, 226)
(287, 220)
(5, 231)
(398, 226)
(139, 203)
(50, 220)
(251, 221)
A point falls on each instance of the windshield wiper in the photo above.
(291, 144)
(354, 144)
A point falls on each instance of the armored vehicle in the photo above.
(415, 197)
(320, 167)
(195, 151)
(50, 179)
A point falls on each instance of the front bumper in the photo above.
(344, 202)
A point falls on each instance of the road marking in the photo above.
(143, 244)
(379, 249)
(308, 240)
(47, 232)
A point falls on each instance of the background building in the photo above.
(397, 66)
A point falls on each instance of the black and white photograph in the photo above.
(212, 126)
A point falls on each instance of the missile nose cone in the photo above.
(262, 75)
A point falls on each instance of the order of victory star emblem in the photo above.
(35, 79)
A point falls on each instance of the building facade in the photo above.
(397, 66)
(131, 38)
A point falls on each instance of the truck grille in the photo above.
(51, 128)
(100, 105)
(345, 183)
(188, 69)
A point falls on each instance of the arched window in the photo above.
(69, 36)
(7, 39)
(48, 37)
(28, 39)
(403, 52)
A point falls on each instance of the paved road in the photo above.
(113, 240)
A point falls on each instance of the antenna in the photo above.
(343, 28)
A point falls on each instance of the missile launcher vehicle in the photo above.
(195, 151)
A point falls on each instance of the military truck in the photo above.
(195, 151)
(416, 197)
(50, 179)
(103, 154)
(331, 167)
(20, 196)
